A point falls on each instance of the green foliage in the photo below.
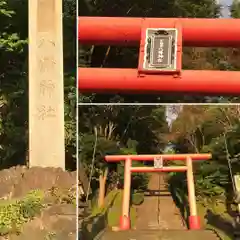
(11, 81)
(137, 198)
(11, 42)
(60, 196)
(113, 209)
(70, 121)
(14, 214)
(115, 212)
(3, 9)
(212, 179)
(235, 9)
(216, 132)
(120, 130)
(138, 180)
(109, 215)
(14, 82)
(103, 147)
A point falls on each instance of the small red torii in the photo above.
(194, 219)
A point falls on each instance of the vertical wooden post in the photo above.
(46, 93)
(125, 218)
(194, 220)
(236, 179)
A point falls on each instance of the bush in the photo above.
(67, 196)
(15, 213)
(139, 181)
(137, 198)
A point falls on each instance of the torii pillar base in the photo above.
(125, 223)
(194, 223)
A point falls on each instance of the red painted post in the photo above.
(129, 81)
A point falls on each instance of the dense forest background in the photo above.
(147, 130)
(14, 81)
(215, 129)
(127, 57)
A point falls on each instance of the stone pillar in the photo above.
(46, 92)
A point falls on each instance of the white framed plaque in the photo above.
(158, 162)
(160, 50)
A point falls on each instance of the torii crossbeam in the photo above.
(160, 42)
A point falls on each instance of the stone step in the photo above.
(158, 235)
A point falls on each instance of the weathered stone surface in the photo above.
(61, 209)
(29, 233)
(66, 179)
(58, 221)
(8, 180)
(43, 178)
(64, 225)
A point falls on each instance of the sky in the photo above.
(225, 10)
(172, 113)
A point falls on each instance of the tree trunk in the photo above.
(102, 187)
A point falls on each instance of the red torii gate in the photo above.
(194, 219)
(160, 55)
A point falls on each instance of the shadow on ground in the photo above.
(217, 221)
(156, 193)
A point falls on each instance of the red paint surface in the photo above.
(172, 157)
(196, 32)
(194, 223)
(125, 223)
(110, 80)
(152, 169)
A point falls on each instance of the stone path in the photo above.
(159, 235)
(158, 210)
(158, 219)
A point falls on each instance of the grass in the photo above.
(107, 216)
(116, 211)
(14, 213)
(107, 204)
(113, 209)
